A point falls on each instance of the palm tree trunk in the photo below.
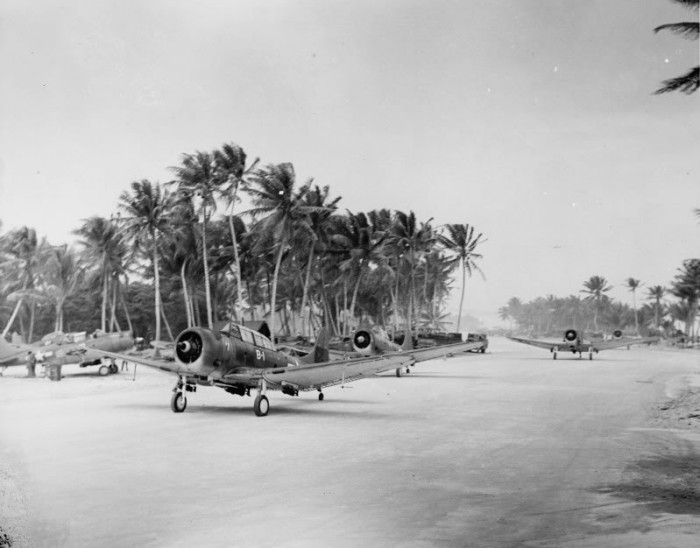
(354, 294)
(186, 294)
(158, 305)
(14, 315)
(126, 311)
(461, 299)
(105, 281)
(207, 288)
(273, 298)
(236, 258)
(307, 281)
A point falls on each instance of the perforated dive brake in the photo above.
(189, 347)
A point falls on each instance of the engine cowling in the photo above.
(570, 335)
(200, 350)
(362, 341)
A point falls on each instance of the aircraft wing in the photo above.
(320, 375)
(607, 345)
(163, 365)
(444, 351)
(539, 344)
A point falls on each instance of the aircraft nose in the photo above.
(189, 347)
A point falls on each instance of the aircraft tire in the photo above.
(261, 406)
(320, 396)
(178, 402)
(590, 355)
(398, 371)
(113, 368)
(555, 355)
(103, 370)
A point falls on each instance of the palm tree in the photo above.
(633, 285)
(63, 272)
(104, 247)
(596, 287)
(230, 164)
(320, 212)
(686, 286)
(411, 240)
(147, 209)
(687, 83)
(656, 293)
(460, 240)
(198, 177)
(273, 195)
(24, 252)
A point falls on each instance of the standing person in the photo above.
(125, 365)
(31, 364)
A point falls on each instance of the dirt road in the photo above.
(509, 448)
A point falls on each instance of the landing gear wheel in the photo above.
(590, 355)
(178, 402)
(408, 370)
(113, 368)
(320, 396)
(103, 371)
(555, 355)
(262, 405)
(398, 371)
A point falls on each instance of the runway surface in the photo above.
(509, 448)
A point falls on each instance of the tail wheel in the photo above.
(178, 402)
(261, 405)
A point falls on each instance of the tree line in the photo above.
(180, 254)
(595, 311)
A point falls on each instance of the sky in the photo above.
(532, 120)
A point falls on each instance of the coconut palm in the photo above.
(231, 172)
(197, 177)
(686, 286)
(460, 240)
(22, 252)
(687, 83)
(147, 209)
(63, 272)
(412, 240)
(281, 211)
(633, 285)
(321, 210)
(596, 287)
(656, 293)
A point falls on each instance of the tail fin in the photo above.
(319, 353)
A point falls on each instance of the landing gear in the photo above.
(320, 396)
(261, 405)
(103, 371)
(113, 368)
(590, 353)
(398, 371)
(554, 352)
(178, 402)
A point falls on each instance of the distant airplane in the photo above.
(238, 360)
(574, 342)
(375, 341)
(68, 348)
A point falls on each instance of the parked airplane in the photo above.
(375, 341)
(238, 360)
(574, 342)
(68, 348)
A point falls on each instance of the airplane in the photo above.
(574, 342)
(375, 341)
(240, 360)
(68, 348)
